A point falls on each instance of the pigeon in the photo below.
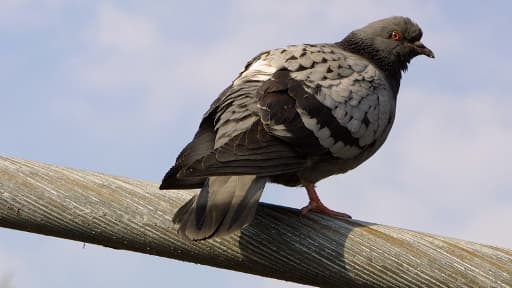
(293, 116)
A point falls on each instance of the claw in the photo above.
(316, 205)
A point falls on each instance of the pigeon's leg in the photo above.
(317, 206)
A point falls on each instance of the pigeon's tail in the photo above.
(224, 205)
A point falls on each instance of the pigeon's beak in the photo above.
(422, 49)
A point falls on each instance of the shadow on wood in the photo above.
(306, 250)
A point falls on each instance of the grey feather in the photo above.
(253, 152)
(224, 205)
(202, 145)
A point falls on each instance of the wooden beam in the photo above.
(134, 215)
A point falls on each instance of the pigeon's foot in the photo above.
(316, 205)
(320, 208)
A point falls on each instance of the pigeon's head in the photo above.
(390, 43)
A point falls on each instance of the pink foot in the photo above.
(320, 208)
(316, 205)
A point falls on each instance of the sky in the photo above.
(120, 87)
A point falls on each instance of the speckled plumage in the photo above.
(293, 116)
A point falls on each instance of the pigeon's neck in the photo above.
(385, 62)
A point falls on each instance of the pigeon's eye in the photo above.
(395, 36)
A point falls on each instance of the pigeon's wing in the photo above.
(241, 145)
(327, 100)
(253, 152)
(233, 112)
(202, 145)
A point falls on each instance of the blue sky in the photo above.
(120, 86)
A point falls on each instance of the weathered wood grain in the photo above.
(134, 215)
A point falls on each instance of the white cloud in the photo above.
(6, 281)
(464, 138)
(286, 15)
(10, 9)
(120, 49)
(125, 50)
(272, 283)
(28, 10)
(235, 279)
(490, 226)
(8, 265)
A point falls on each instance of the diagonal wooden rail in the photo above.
(134, 215)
